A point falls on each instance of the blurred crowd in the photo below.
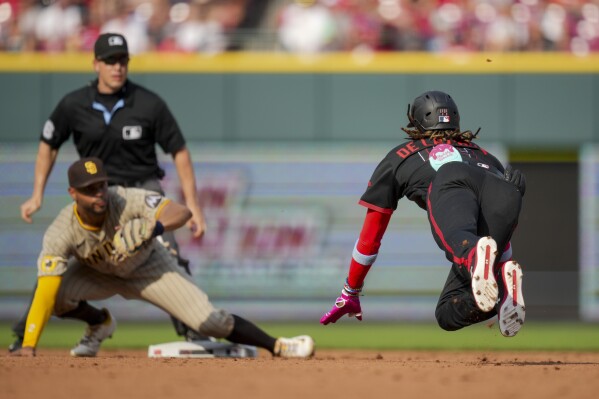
(303, 25)
(440, 25)
(148, 25)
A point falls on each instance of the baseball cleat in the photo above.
(511, 310)
(484, 285)
(193, 336)
(89, 345)
(16, 345)
(301, 346)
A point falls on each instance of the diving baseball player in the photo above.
(109, 234)
(473, 205)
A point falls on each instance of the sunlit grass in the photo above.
(351, 334)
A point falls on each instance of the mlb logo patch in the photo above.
(444, 118)
(115, 41)
(131, 132)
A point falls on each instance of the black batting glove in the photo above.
(516, 177)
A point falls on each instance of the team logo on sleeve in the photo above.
(48, 263)
(442, 154)
(153, 200)
(48, 131)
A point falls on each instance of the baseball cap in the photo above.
(86, 171)
(109, 44)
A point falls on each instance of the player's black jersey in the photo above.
(124, 137)
(408, 170)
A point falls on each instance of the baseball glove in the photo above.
(131, 237)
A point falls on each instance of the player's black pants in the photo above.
(466, 203)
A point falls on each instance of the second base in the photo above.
(202, 349)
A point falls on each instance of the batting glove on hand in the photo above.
(346, 304)
(516, 177)
(131, 237)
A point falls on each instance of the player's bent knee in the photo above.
(447, 326)
(219, 324)
(444, 321)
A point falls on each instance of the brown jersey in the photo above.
(69, 236)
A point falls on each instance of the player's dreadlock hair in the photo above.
(434, 115)
(450, 134)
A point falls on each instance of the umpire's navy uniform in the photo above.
(122, 129)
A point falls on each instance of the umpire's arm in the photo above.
(46, 157)
(173, 215)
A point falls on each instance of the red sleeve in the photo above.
(375, 225)
(367, 247)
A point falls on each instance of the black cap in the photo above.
(86, 171)
(109, 44)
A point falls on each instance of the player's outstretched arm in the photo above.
(46, 157)
(363, 257)
(39, 313)
(173, 215)
(134, 234)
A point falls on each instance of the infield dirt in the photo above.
(330, 374)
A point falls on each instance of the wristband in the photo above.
(351, 291)
(158, 229)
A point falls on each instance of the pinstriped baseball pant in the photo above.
(159, 281)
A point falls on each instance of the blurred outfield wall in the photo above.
(534, 100)
(283, 147)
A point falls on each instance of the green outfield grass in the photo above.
(353, 335)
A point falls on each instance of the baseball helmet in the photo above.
(434, 110)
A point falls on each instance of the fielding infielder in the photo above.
(109, 236)
(473, 206)
(121, 123)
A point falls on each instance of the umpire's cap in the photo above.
(86, 171)
(110, 44)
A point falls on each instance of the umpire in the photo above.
(119, 122)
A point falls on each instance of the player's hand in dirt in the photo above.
(346, 304)
(26, 351)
